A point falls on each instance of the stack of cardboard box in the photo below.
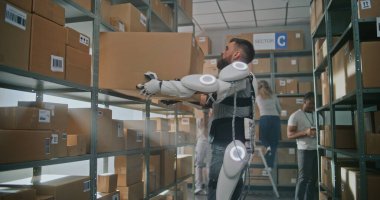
(129, 171)
(106, 187)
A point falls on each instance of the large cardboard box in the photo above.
(129, 169)
(368, 9)
(296, 40)
(80, 123)
(58, 112)
(351, 184)
(25, 118)
(372, 141)
(305, 87)
(325, 88)
(344, 137)
(15, 35)
(77, 40)
(261, 65)
(117, 71)
(210, 67)
(340, 70)
(204, 43)
(47, 48)
(135, 191)
(287, 65)
(108, 196)
(84, 3)
(107, 183)
(76, 145)
(17, 193)
(49, 10)
(286, 156)
(167, 167)
(305, 64)
(78, 67)
(287, 177)
(289, 105)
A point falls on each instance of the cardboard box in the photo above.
(287, 65)
(15, 35)
(25, 118)
(325, 88)
(372, 141)
(305, 87)
(340, 70)
(59, 144)
(289, 105)
(351, 184)
(284, 132)
(167, 166)
(210, 67)
(58, 112)
(80, 123)
(77, 40)
(204, 43)
(167, 14)
(23, 4)
(133, 139)
(134, 20)
(105, 10)
(319, 9)
(17, 193)
(185, 124)
(260, 177)
(344, 137)
(47, 48)
(313, 17)
(286, 156)
(78, 67)
(286, 86)
(305, 64)
(129, 169)
(76, 145)
(49, 10)
(281, 86)
(107, 183)
(135, 191)
(287, 177)
(318, 58)
(184, 165)
(322, 138)
(116, 71)
(84, 4)
(154, 172)
(368, 9)
(326, 176)
(108, 196)
(187, 5)
(261, 65)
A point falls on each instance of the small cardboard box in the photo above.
(134, 20)
(305, 64)
(78, 67)
(287, 65)
(287, 156)
(25, 118)
(129, 169)
(287, 177)
(77, 40)
(133, 139)
(261, 65)
(15, 35)
(135, 191)
(368, 9)
(107, 183)
(184, 165)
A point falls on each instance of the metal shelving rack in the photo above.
(17, 79)
(340, 18)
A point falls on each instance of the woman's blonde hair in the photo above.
(264, 89)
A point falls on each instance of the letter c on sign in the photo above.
(281, 41)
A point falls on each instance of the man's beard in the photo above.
(222, 63)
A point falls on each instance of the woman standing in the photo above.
(270, 124)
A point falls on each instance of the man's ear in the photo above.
(236, 55)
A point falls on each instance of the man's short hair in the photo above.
(308, 96)
(247, 47)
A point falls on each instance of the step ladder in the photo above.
(269, 174)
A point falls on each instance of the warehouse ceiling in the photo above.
(231, 14)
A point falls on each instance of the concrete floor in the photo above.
(256, 195)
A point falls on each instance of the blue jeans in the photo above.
(270, 131)
(307, 175)
(216, 165)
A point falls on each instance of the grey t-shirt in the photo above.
(270, 106)
(304, 120)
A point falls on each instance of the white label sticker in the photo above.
(143, 20)
(293, 62)
(264, 173)
(115, 197)
(185, 121)
(298, 35)
(15, 17)
(64, 136)
(299, 101)
(292, 151)
(84, 40)
(378, 26)
(86, 186)
(255, 61)
(213, 61)
(44, 116)
(47, 145)
(282, 83)
(54, 138)
(120, 129)
(139, 136)
(202, 39)
(121, 26)
(284, 113)
(365, 4)
(293, 180)
(56, 64)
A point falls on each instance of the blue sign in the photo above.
(281, 40)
